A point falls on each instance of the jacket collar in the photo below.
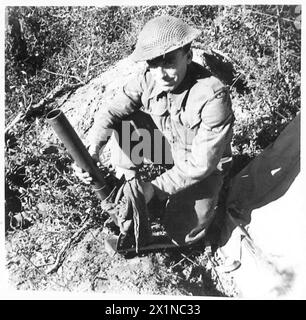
(193, 73)
(188, 81)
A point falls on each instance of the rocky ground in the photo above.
(86, 266)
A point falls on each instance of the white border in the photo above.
(7, 293)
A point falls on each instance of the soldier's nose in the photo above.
(160, 72)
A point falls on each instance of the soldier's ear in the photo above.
(189, 56)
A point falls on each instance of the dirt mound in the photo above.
(80, 107)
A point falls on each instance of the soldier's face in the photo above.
(170, 69)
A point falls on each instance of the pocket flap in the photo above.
(158, 107)
(189, 119)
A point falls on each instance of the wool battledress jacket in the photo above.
(196, 119)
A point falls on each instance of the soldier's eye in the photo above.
(154, 63)
(168, 63)
(151, 65)
(163, 61)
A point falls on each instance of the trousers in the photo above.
(187, 214)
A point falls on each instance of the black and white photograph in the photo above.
(152, 151)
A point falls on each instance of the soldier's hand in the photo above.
(83, 175)
(80, 173)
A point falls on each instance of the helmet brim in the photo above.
(139, 54)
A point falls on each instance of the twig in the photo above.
(228, 58)
(88, 64)
(279, 114)
(279, 41)
(57, 91)
(182, 254)
(220, 53)
(271, 15)
(65, 178)
(20, 116)
(40, 271)
(172, 267)
(232, 85)
(293, 55)
(100, 63)
(187, 258)
(74, 237)
(213, 268)
(64, 75)
(95, 237)
(68, 45)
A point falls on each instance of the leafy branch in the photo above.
(39, 107)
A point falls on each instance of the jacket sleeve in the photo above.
(126, 102)
(213, 136)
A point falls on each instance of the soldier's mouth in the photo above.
(167, 84)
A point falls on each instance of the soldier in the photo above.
(191, 108)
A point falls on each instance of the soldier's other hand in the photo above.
(148, 191)
(93, 151)
(83, 175)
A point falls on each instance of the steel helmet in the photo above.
(162, 35)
